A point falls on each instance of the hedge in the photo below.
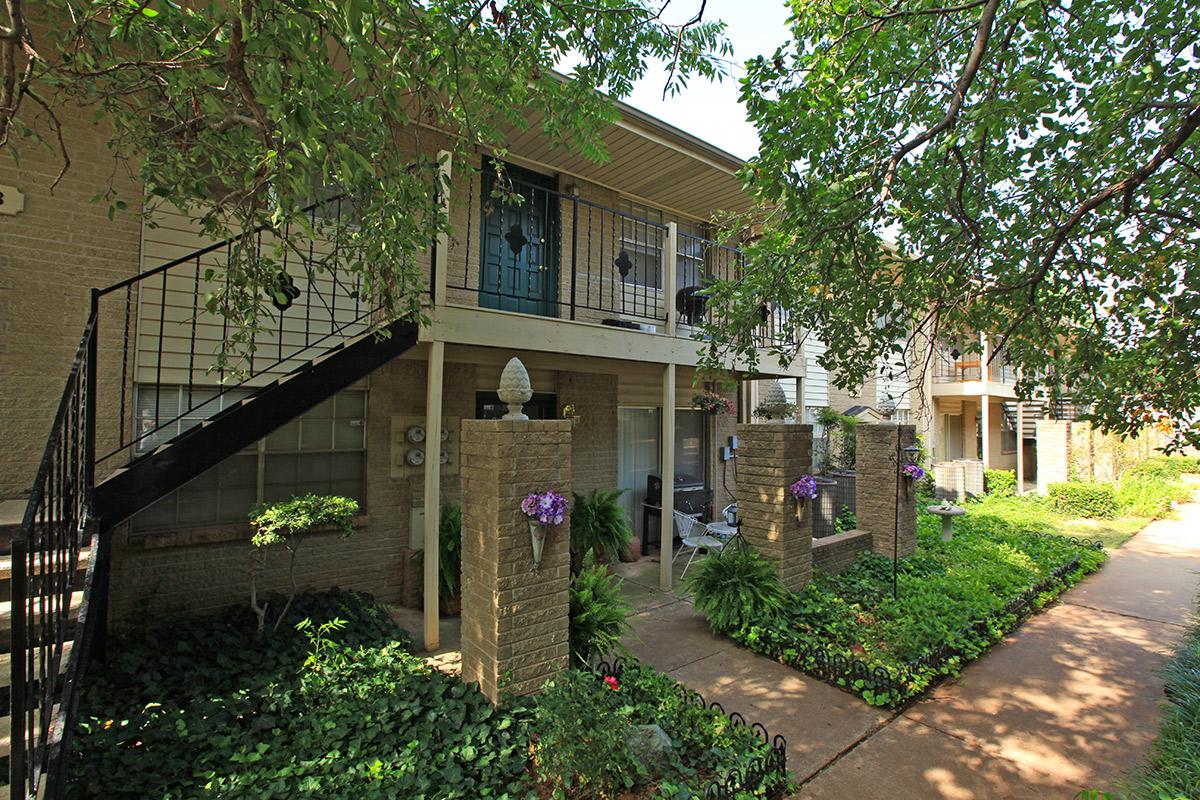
(1080, 499)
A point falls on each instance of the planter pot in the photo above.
(537, 538)
(629, 553)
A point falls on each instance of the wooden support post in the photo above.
(667, 529)
(441, 267)
(1020, 447)
(433, 490)
(670, 276)
(985, 423)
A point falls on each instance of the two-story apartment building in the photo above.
(577, 277)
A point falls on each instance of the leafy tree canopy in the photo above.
(1034, 165)
(243, 113)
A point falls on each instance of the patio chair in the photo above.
(695, 536)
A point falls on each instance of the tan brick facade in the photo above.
(51, 255)
(514, 618)
(832, 554)
(772, 456)
(594, 432)
(879, 501)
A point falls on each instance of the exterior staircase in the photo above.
(54, 582)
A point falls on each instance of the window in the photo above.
(644, 244)
(1008, 432)
(323, 451)
(543, 405)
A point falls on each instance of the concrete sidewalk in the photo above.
(1069, 701)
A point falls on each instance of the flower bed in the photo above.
(955, 600)
(340, 708)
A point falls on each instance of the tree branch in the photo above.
(983, 33)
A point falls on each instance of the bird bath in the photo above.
(947, 513)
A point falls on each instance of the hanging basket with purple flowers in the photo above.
(543, 510)
(803, 489)
(913, 472)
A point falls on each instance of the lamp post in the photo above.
(904, 456)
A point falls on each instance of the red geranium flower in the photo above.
(611, 682)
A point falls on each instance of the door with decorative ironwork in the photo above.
(519, 254)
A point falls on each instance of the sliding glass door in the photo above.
(639, 432)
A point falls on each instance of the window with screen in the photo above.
(323, 452)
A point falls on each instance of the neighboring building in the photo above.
(576, 281)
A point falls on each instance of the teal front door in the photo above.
(518, 268)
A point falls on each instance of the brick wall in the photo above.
(203, 570)
(514, 618)
(1053, 453)
(594, 433)
(832, 554)
(51, 255)
(877, 502)
(771, 457)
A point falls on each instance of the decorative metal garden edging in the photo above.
(833, 666)
(767, 772)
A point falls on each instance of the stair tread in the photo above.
(85, 557)
(6, 663)
(6, 608)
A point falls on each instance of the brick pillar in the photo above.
(514, 619)
(1053, 453)
(876, 490)
(770, 458)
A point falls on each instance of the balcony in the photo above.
(529, 249)
(956, 373)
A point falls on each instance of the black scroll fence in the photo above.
(766, 773)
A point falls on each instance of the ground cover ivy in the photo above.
(208, 708)
(334, 704)
(955, 599)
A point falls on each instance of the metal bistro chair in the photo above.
(696, 536)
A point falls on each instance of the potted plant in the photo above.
(598, 524)
(712, 403)
(912, 473)
(544, 510)
(803, 489)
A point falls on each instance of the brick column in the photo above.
(1053, 453)
(514, 619)
(876, 490)
(770, 458)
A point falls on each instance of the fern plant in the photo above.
(449, 552)
(736, 587)
(598, 612)
(599, 524)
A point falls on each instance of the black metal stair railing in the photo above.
(58, 523)
(170, 338)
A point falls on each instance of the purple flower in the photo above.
(805, 488)
(545, 508)
(913, 472)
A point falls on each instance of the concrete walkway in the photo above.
(1069, 701)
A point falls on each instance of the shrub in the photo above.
(1164, 468)
(736, 587)
(1081, 499)
(286, 525)
(847, 520)
(1147, 497)
(449, 551)
(598, 612)
(581, 745)
(598, 523)
(1000, 482)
